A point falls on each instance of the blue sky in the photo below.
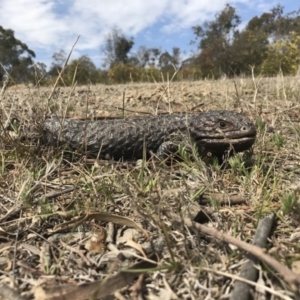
(47, 26)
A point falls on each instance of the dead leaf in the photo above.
(74, 223)
(93, 290)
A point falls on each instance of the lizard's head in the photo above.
(216, 132)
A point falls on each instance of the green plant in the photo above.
(278, 140)
(290, 202)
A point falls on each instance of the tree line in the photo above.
(268, 44)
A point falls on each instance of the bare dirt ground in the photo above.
(89, 229)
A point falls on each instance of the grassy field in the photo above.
(103, 224)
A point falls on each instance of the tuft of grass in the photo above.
(278, 140)
(261, 125)
(290, 203)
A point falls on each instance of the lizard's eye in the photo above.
(222, 124)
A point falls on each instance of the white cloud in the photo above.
(131, 16)
(33, 21)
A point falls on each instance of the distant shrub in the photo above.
(283, 56)
(123, 73)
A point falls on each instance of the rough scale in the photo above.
(213, 132)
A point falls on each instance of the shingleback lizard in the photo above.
(213, 132)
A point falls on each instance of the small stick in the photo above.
(289, 276)
(241, 289)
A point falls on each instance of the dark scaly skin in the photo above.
(213, 132)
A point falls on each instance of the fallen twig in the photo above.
(289, 276)
(223, 199)
(249, 271)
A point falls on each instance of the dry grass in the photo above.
(48, 247)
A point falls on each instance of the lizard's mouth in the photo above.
(237, 142)
(222, 145)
